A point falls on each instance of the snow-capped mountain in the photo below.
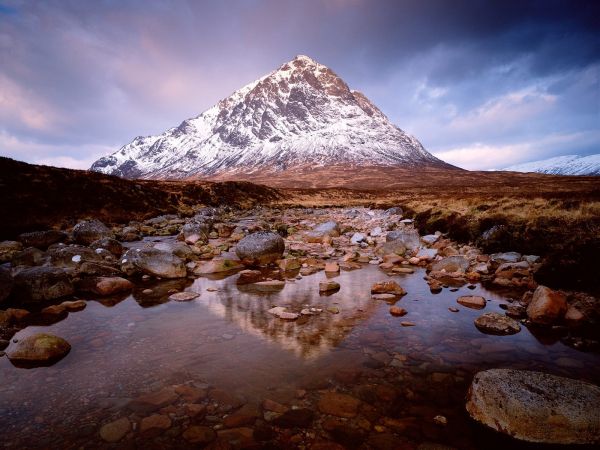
(562, 165)
(300, 115)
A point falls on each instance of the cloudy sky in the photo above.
(481, 84)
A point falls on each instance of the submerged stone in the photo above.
(536, 407)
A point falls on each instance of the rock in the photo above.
(269, 285)
(39, 350)
(280, 311)
(332, 267)
(496, 323)
(37, 284)
(451, 264)
(183, 296)
(387, 287)
(337, 404)
(357, 238)
(506, 257)
(260, 248)
(270, 405)
(472, 301)
(153, 401)
(328, 286)
(288, 264)
(376, 232)
(246, 415)
(546, 306)
(109, 244)
(406, 270)
(249, 277)
(88, 231)
(397, 311)
(6, 283)
(536, 407)
(107, 285)
(180, 249)
(75, 305)
(295, 418)
(154, 425)
(130, 234)
(408, 324)
(116, 430)
(574, 317)
(42, 239)
(195, 232)
(8, 249)
(394, 210)
(199, 435)
(327, 229)
(218, 265)
(385, 297)
(408, 237)
(30, 256)
(430, 239)
(153, 262)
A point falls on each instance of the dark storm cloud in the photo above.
(476, 81)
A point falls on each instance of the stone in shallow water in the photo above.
(260, 248)
(536, 407)
(495, 323)
(199, 435)
(183, 296)
(301, 418)
(116, 430)
(328, 286)
(39, 350)
(337, 404)
(387, 287)
(472, 301)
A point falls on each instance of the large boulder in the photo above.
(89, 231)
(546, 306)
(536, 407)
(42, 239)
(6, 283)
(451, 264)
(260, 248)
(152, 261)
(408, 237)
(38, 284)
(39, 350)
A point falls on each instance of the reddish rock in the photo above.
(246, 415)
(115, 430)
(199, 435)
(153, 401)
(547, 306)
(112, 285)
(337, 404)
(387, 287)
(154, 425)
(397, 311)
(472, 301)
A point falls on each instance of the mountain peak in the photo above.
(301, 115)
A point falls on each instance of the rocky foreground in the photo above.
(47, 275)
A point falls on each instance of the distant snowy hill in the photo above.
(562, 165)
(301, 115)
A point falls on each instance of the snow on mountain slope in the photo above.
(300, 115)
(562, 165)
